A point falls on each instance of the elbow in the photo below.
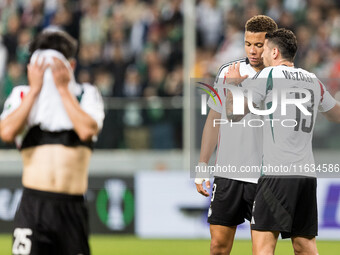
(86, 135)
(6, 135)
(336, 120)
(230, 118)
(234, 118)
(331, 118)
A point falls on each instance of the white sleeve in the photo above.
(92, 104)
(215, 103)
(327, 102)
(14, 100)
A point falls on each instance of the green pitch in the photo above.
(129, 245)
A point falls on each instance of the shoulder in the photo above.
(243, 62)
(88, 88)
(264, 73)
(225, 66)
(19, 91)
(89, 92)
(313, 75)
(19, 88)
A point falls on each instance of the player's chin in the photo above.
(256, 63)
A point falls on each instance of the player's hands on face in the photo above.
(61, 74)
(199, 186)
(233, 75)
(35, 74)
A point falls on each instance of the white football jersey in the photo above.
(238, 145)
(289, 129)
(48, 111)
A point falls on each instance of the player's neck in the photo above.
(283, 62)
(258, 68)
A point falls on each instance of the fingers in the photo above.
(207, 183)
(238, 66)
(61, 74)
(234, 68)
(201, 190)
(244, 76)
(43, 65)
(39, 64)
(58, 65)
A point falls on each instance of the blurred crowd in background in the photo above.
(133, 51)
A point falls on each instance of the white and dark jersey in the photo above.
(48, 122)
(288, 130)
(238, 145)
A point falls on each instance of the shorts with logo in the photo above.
(286, 204)
(231, 202)
(51, 223)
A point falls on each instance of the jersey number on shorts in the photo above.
(304, 127)
(21, 244)
(213, 192)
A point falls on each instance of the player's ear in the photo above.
(275, 52)
(73, 63)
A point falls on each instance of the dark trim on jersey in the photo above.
(322, 90)
(270, 82)
(80, 96)
(241, 60)
(269, 86)
(269, 106)
(256, 75)
(36, 137)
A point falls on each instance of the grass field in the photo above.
(129, 245)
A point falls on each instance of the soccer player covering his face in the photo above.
(232, 198)
(54, 121)
(285, 201)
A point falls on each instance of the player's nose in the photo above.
(252, 50)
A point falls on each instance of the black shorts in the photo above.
(231, 202)
(286, 204)
(50, 223)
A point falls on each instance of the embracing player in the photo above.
(286, 197)
(232, 198)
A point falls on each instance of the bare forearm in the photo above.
(84, 125)
(209, 136)
(14, 123)
(230, 108)
(333, 114)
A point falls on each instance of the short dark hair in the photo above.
(260, 23)
(57, 40)
(286, 41)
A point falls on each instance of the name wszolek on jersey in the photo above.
(288, 97)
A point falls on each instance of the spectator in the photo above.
(148, 36)
(209, 23)
(10, 38)
(13, 77)
(132, 85)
